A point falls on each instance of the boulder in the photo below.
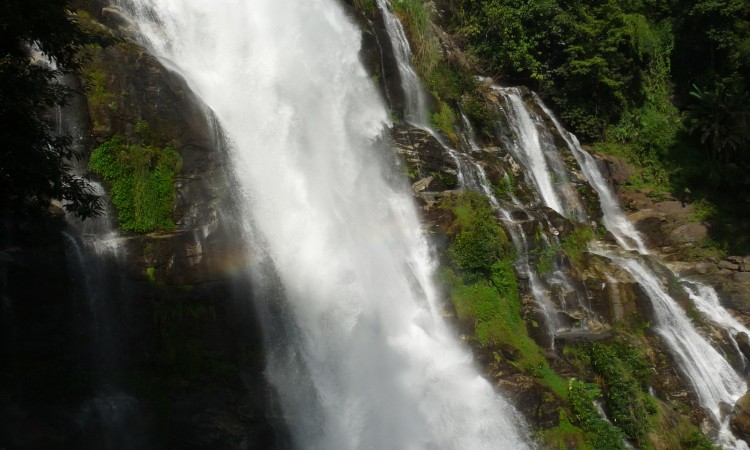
(728, 265)
(743, 342)
(740, 422)
(115, 16)
(691, 232)
(422, 184)
(617, 170)
(649, 223)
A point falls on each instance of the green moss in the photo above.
(546, 258)
(95, 80)
(142, 182)
(576, 243)
(151, 274)
(573, 245)
(450, 180)
(565, 436)
(366, 6)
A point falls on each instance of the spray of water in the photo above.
(375, 360)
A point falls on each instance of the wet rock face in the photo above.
(740, 422)
(170, 309)
(427, 163)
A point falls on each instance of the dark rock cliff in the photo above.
(120, 340)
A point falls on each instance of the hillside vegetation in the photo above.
(663, 85)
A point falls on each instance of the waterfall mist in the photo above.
(362, 358)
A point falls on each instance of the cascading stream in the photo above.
(415, 110)
(534, 148)
(614, 218)
(303, 120)
(713, 379)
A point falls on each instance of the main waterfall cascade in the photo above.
(364, 359)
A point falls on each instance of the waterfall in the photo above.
(110, 418)
(614, 218)
(715, 382)
(366, 361)
(415, 110)
(535, 149)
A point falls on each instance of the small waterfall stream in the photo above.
(534, 148)
(111, 418)
(714, 380)
(415, 110)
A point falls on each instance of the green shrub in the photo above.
(623, 370)
(479, 241)
(141, 179)
(576, 243)
(481, 116)
(565, 436)
(601, 434)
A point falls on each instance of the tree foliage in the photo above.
(39, 42)
(601, 61)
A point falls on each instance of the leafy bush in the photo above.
(576, 243)
(623, 370)
(479, 241)
(601, 434)
(141, 179)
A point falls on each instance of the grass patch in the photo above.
(703, 210)
(417, 21)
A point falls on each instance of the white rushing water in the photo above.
(534, 148)
(715, 382)
(529, 150)
(415, 109)
(713, 378)
(303, 119)
(706, 300)
(614, 218)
